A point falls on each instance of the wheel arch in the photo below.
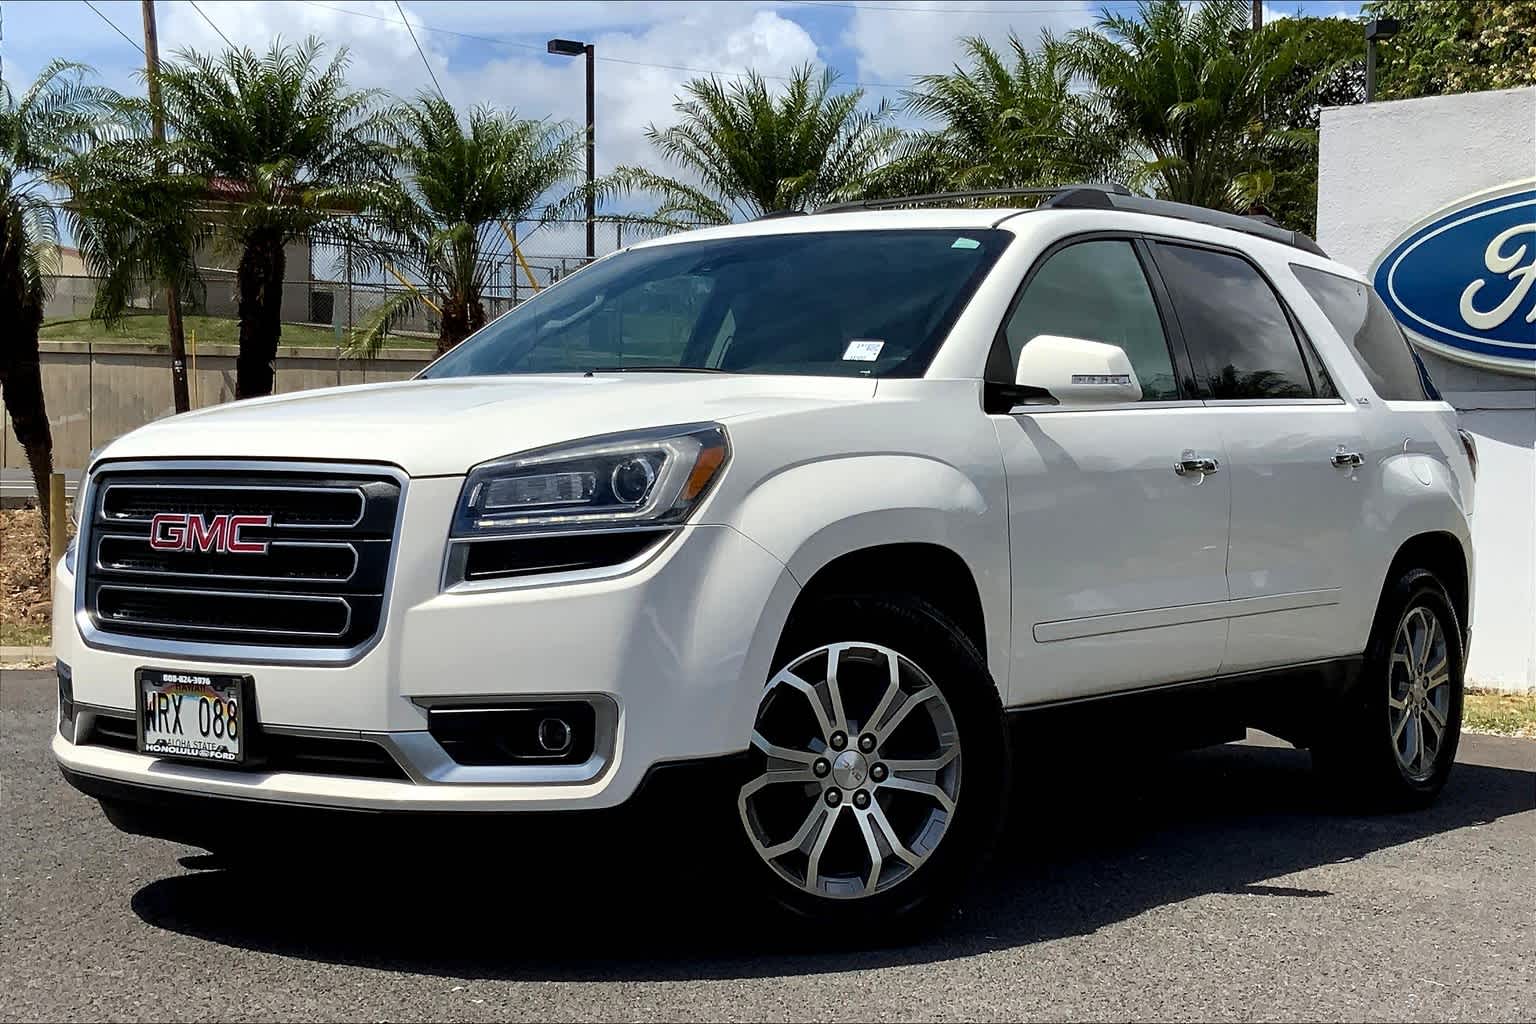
(933, 573)
(1442, 554)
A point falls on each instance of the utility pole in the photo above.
(172, 292)
(1258, 14)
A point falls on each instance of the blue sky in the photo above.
(488, 52)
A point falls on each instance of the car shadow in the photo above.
(1091, 844)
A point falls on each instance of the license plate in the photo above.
(193, 716)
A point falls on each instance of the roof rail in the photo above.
(1259, 226)
(776, 214)
(982, 193)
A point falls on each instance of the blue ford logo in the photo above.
(1463, 281)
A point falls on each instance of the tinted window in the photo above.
(789, 303)
(1362, 320)
(1097, 291)
(1233, 322)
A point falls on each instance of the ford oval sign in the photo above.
(1463, 281)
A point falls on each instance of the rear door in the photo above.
(1118, 562)
(1295, 449)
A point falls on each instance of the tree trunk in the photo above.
(260, 279)
(21, 379)
(460, 319)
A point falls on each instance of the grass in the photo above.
(210, 330)
(20, 634)
(1500, 713)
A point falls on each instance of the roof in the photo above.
(1087, 201)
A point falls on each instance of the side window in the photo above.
(1362, 320)
(1096, 290)
(1234, 323)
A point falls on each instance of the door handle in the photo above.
(1346, 459)
(1189, 463)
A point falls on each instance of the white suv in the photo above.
(823, 507)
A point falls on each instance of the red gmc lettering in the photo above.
(178, 531)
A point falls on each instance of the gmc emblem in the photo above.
(178, 531)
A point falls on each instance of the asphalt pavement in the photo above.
(1210, 885)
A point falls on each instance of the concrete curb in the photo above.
(15, 657)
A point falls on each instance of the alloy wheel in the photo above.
(857, 771)
(1419, 692)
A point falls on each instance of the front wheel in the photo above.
(879, 763)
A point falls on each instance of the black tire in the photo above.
(921, 634)
(1359, 755)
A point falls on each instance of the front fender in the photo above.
(809, 514)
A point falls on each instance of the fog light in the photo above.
(555, 735)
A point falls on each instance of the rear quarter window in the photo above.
(1370, 331)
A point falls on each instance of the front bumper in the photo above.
(679, 646)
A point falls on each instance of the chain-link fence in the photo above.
(323, 300)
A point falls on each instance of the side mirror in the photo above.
(1077, 372)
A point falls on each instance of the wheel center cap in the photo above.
(850, 769)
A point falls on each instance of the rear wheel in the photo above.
(878, 763)
(1396, 741)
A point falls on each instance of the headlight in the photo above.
(640, 480)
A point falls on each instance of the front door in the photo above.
(1118, 560)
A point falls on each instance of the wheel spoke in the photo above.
(922, 764)
(796, 841)
(1397, 730)
(804, 757)
(1431, 635)
(839, 714)
(812, 698)
(878, 819)
(1415, 740)
(907, 707)
(892, 691)
(1395, 703)
(1438, 674)
(800, 775)
(876, 855)
(813, 865)
(928, 789)
(1436, 717)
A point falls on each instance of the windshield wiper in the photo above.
(654, 369)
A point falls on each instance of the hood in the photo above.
(443, 427)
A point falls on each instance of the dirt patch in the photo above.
(24, 604)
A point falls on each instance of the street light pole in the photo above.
(1375, 32)
(572, 48)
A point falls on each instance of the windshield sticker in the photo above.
(966, 243)
(863, 350)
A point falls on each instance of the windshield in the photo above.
(835, 303)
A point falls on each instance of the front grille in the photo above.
(276, 752)
(319, 582)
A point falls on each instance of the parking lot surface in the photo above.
(1209, 885)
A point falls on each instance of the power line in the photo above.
(406, 22)
(109, 21)
(211, 25)
(499, 41)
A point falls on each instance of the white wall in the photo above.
(1382, 167)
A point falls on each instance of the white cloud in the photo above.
(891, 45)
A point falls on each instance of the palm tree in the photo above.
(1002, 122)
(461, 184)
(1188, 86)
(753, 151)
(138, 225)
(287, 150)
(41, 131)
